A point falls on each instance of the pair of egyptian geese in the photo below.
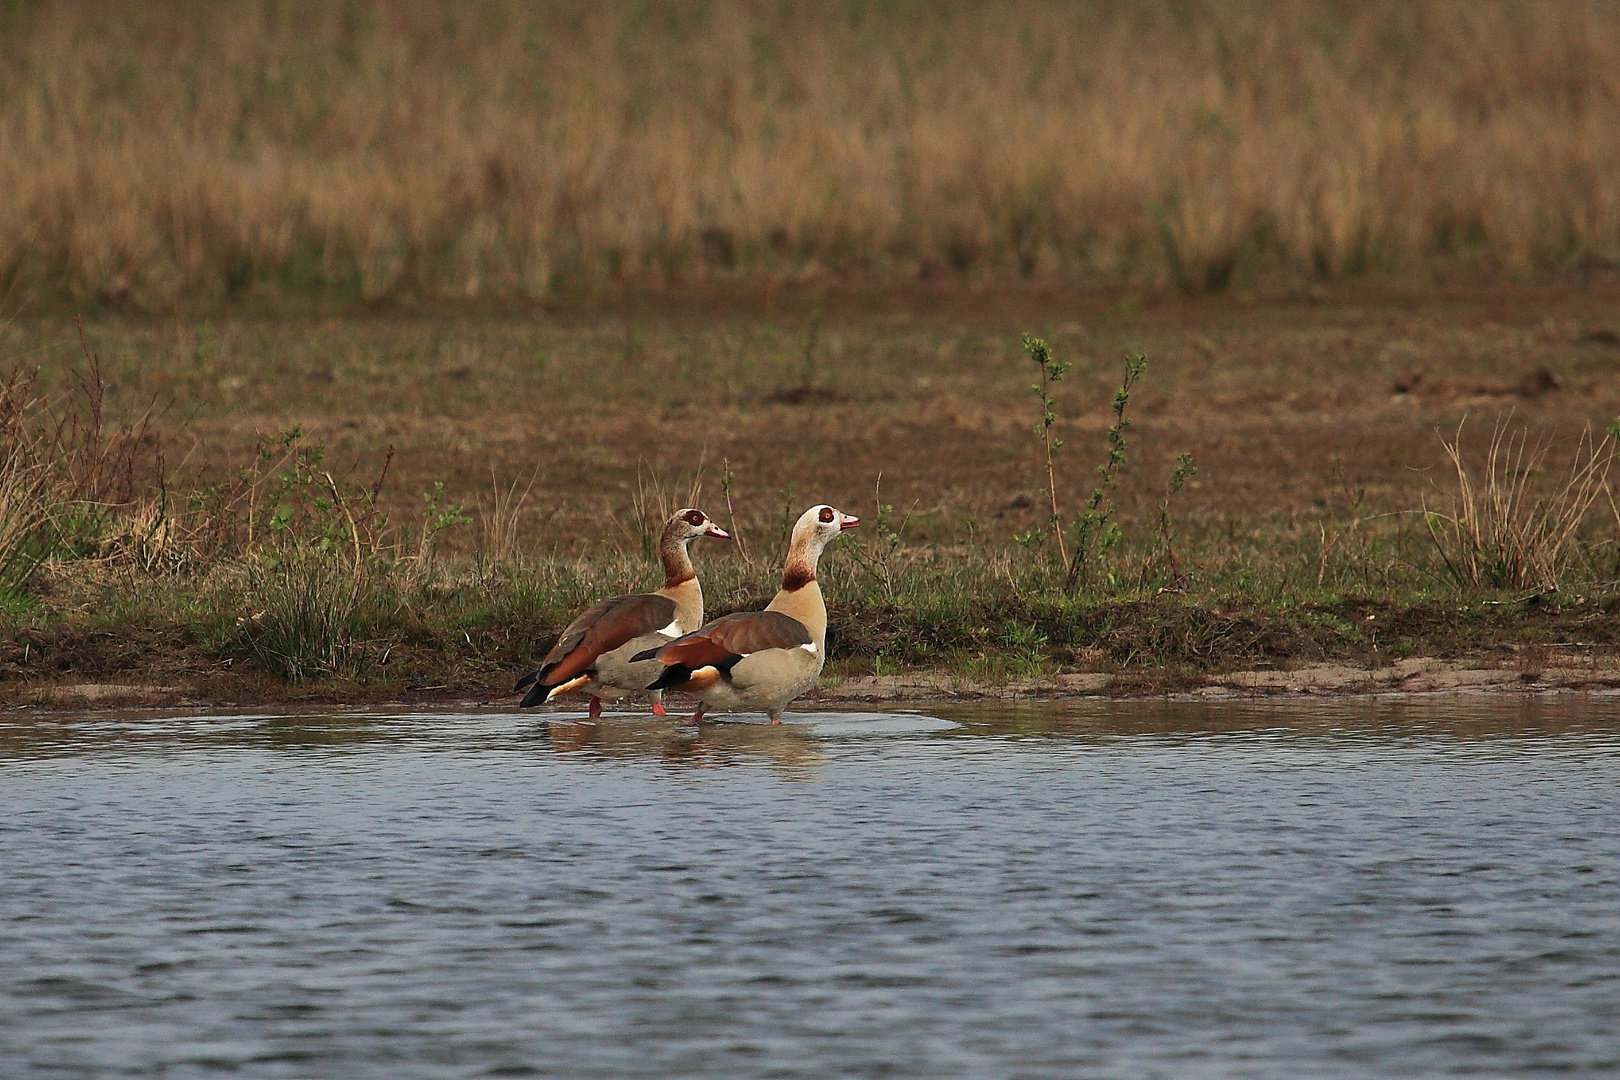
(652, 642)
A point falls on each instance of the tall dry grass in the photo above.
(67, 479)
(1511, 524)
(371, 149)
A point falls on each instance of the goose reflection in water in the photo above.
(795, 748)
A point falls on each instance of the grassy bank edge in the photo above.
(1128, 648)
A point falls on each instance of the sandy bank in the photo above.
(1417, 675)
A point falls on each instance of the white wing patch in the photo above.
(809, 647)
(673, 630)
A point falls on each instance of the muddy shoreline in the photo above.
(1407, 677)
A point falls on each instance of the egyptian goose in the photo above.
(760, 659)
(594, 653)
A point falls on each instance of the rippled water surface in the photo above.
(1087, 889)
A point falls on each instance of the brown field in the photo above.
(1289, 407)
(159, 154)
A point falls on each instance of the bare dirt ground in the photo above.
(1286, 402)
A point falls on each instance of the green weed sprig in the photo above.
(438, 515)
(1164, 546)
(877, 556)
(728, 481)
(1095, 530)
(1052, 371)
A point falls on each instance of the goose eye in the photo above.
(826, 515)
(694, 517)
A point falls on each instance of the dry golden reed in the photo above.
(373, 150)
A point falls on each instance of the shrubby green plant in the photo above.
(1163, 556)
(1096, 532)
(438, 516)
(1087, 540)
(1052, 371)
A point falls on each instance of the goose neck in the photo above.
(677, 563)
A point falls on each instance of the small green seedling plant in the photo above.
(438, 516)
(1164, 544)
(1096, 533)
(876, 557)
(728, 481)
(1052, 371)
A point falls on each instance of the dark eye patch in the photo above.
(694, 517)
(826, 514)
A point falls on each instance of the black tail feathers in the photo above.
(673, 675)
(536, 695)
(536, 679)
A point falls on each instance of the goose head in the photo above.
(688, 524)
(819, 526)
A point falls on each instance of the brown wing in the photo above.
(735, 636)
(723, 643)
(601, 629)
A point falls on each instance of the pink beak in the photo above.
(849, 522)
(715, 530)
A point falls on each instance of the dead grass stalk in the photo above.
(1509, 529)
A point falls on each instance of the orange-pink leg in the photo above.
(659, 710)
(596, 707)
(697, 717)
